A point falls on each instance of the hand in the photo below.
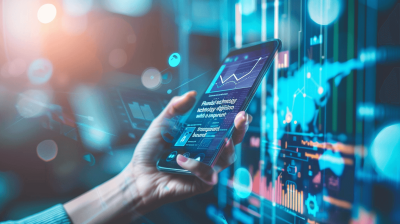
(157, 188)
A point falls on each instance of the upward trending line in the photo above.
(222, 81)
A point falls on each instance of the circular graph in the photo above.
(151, 78)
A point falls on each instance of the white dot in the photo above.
(308, 75)
(46, 13)
(294, 95)
(117, 58)
(151, 78)
(320, 90)
(304, 95)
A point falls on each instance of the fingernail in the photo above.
(182, 158)
(214, 178)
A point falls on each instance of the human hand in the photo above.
(156, 188)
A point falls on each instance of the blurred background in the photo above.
(81, 80)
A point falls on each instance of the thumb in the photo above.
(179, 105)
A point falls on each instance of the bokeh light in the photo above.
(128, 7)
(326, 13)
(385, 152)
(32, 103)
(47, 150)
(10, 186)
(14, 68)
(151, 78)
(46, 13)
(242, 183)
(40, 71)
(77, 7)
(113, 164)
(117, 58)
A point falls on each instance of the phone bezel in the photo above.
(249, 98)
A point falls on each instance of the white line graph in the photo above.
(233, 75)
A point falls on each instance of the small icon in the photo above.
(315, 40)
(174, 59)
(186, 154)
(199, 157)
(171, 156)
(312, 206)
(292, 169)
(185, 136)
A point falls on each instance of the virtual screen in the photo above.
(213, 116)
(82, 81)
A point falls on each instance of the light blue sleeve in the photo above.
(55, 214)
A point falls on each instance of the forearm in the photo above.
(116, 199)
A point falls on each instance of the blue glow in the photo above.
(326, 13)
(128, 7)
(248, 6)
(306, 89)
(40, 71)
(242, 183)
(385, 152)
(312, 205)
(113, 164)
(316, 40)
(331, 160)
(174, 59)
(90, 159)
(77, 7)
(88, 102)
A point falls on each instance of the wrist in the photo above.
(116, 199)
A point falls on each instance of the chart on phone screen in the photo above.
(237, 75)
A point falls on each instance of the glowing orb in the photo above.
(32, 103)
(174, 60)
(151, 78)
(242, 183)
(169, 91)
(40, 71)
(324, 12)
(46, 13)
(117, 58)
(47, 150)
(385, 152)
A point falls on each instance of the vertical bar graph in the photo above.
(141, 112)
(291, 199)
(136, 111)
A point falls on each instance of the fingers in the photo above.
(242, 122)
(206, 173)
(179, 105)
(227, 157)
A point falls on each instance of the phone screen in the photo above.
(211, 120)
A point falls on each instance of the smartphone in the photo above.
(212, 119)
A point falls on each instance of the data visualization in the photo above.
(237, 73)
